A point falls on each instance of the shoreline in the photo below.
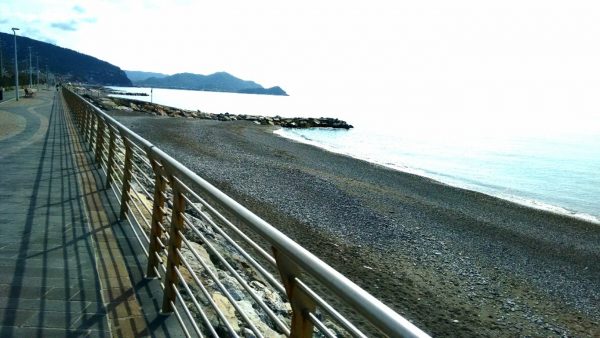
(129, 104)
(455, 262)
(522, 201)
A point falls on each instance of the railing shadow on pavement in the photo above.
(116, 256)
(220, 266)
(50, 288)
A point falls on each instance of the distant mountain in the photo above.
(136, 76)
(66, 64)
(217, 82)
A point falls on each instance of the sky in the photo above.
(524, 59)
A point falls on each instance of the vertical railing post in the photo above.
(173, 259)
(112, 144)
(83, 119)
(89, 126)
(84, 123)
(75, 108)
(302, 304)
(78, 110)
(157, 219)
(93, 127)
(125, 192)
(100, 140)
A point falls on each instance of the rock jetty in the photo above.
(113, 103)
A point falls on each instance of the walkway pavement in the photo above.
(7, 95)
(68, 266)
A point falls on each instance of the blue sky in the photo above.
(527, 59)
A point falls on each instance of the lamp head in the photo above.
(15, 29)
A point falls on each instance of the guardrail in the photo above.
(221, 266)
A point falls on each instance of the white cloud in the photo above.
(70, 26)
(78, 9)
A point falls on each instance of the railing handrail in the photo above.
(379, 314)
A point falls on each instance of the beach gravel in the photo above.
(455, 262)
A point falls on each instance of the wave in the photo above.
(549, 207)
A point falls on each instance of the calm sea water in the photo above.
(547, 162)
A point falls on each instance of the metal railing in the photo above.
(223, 268)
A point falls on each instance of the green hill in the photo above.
(66, 64)
(135, 75)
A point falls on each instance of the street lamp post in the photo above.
(37, 72)
(30, 70)
(16, 65)
(1, 66)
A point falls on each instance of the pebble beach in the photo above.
(453, 261)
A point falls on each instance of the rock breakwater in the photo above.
(113, 103)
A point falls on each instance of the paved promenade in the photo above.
(8, 95)
(68, 266)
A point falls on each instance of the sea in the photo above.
(544, 161)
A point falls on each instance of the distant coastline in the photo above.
(217, 82)
(265, 91)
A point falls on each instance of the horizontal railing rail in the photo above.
(224, 270)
